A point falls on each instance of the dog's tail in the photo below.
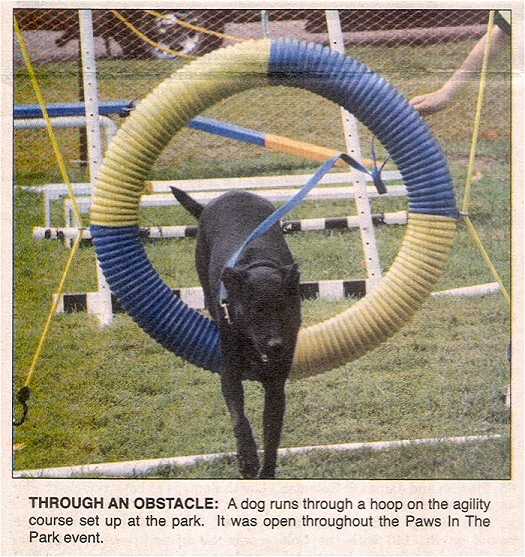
(192, 206)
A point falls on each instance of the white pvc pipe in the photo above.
(353, 147)
(57, 190)
(470, 291)
(147, 467)
(95, 153)
(110, 128)
(326, 194)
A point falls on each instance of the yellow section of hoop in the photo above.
(168, 108)
(379, 315)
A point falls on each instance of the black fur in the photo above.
(265, 310)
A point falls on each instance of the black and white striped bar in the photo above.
(332, 290)
(190, 231)
(325, 290)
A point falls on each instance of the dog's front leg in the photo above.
(233, 393)
(274, 405)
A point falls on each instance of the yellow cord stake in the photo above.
(146, 39)
(472, 157)
(23, 394)
(477, 118)
(192, 27)
(477, 240)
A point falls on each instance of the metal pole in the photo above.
(89, 74)
(353, 148)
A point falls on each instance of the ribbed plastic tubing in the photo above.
(432, 211)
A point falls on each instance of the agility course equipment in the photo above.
(213, 186)
(150, 467)
(190, 231)
(73, 115)
(331, 290)
(123, 469)
(120, 183)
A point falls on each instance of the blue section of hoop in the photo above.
(187, 333)
(152, 304)
(378, 106)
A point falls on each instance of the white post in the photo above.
(353, 148)
(265, 23)
(89, 74)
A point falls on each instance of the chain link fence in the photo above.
(416, 50)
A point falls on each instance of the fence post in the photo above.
(89, 73)
(353, 148)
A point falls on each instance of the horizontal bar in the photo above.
(333, 290)
(57, 190)
(192, 296)
(275, 196)
(122, 108)
(147, 467)
(190, 231)
(470, 291)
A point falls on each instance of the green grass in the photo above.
(114, 394)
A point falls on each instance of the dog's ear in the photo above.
(233, 278)
(291, 278)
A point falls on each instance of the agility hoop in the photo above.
(432, 211)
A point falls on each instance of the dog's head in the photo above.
(264, 306)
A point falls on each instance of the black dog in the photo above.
(260, 322)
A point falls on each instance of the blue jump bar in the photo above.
(230, 131)
(122, 108)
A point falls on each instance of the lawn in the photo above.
(114, 394)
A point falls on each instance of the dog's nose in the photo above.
(275, 346)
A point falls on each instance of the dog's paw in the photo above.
(267, 473)
(248, 466)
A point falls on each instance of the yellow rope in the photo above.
(67, 181)
(146, 39)
(53, 309)
(477, 118)
(472, 157)
(486, 257)
(197, 28)
(49, 125)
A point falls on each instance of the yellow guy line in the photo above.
(468, 182)
(477, 118)
(486, 257)
(146, 39)
(67, 181)
(183, 23)
(53, 309)
(49, 125)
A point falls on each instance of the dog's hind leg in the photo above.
(233, 393)
(274, 406)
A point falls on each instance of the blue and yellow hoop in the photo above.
(223, 73)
